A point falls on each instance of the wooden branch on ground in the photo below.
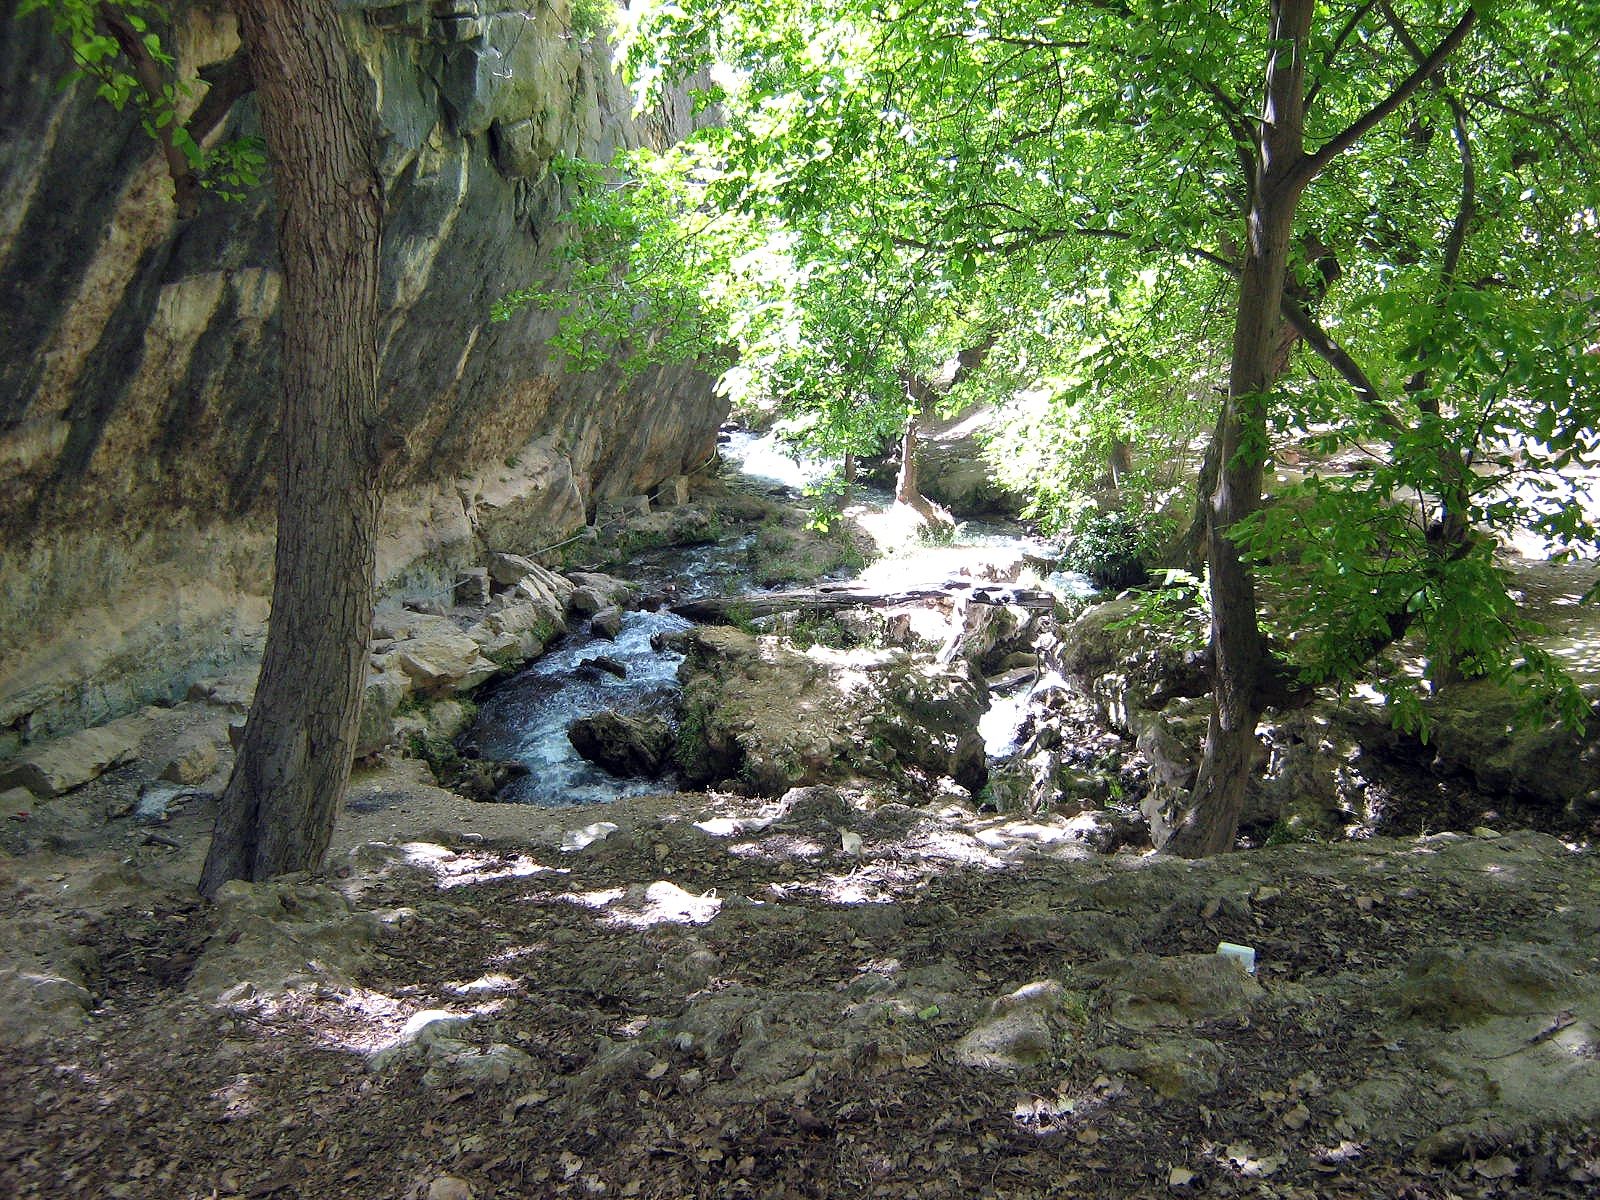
(723, 609)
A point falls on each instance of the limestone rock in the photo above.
(196, 755)
(443, 662)
(132, 576)
(17, 803)
(1180, 990)
(621, 744)
(609, 588)
(72, 761)
(380, 701)
(280, 935)
(1452, 985)
(508, 570)
(40, 999)
(450, 1187)
(472, 586)
(1185, 1068)
(1021, 1028)
(607, 623)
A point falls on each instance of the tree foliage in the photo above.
(117, 47)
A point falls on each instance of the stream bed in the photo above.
(524, 719)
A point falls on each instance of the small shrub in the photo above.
(590, 17)
(1111, 549)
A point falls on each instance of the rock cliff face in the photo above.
(138, 353)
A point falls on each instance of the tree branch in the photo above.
(228, 81)
(1310, 166)
(185, 183)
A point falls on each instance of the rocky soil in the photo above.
(705, 995)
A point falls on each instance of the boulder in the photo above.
(380, 700)
(43, 981)
(607, 623)
(1147, 991)
(280, 935)
(622, 744)
(758, 710)
(1184, 1068)
(508, 570)
(608, 588)
(472, 586)
(72, 761)
(195, 756)
(1022, 1029)
(442, 662)
(1451, 985)
(17, 803)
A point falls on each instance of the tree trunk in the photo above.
(278, 810)
(1237, 651)
(907, 488)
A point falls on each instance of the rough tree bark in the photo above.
(278, 809)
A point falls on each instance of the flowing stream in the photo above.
(525, 718)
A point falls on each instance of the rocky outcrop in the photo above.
(138, 353)
(777, 719)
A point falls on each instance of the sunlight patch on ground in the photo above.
(1061, 834)
(490, 984)
(777, 847)
(454, 868)
(641, 906)
(577, 839)
(369, 1023)
(1044, 1115)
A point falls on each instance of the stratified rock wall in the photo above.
(138, 356)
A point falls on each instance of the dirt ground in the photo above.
(724, 997)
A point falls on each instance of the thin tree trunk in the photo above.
(907, 487)
(278, 810)
(1237, 650)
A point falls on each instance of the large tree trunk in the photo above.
(278, 809)
(1237, 650)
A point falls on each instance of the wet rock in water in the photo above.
(586, 601)
(624, 745)
(1021, 1029)
(608, 589)
(604, 662)
(481, 779)
(607, 623)
(990, 633)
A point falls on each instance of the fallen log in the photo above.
(723, 609)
